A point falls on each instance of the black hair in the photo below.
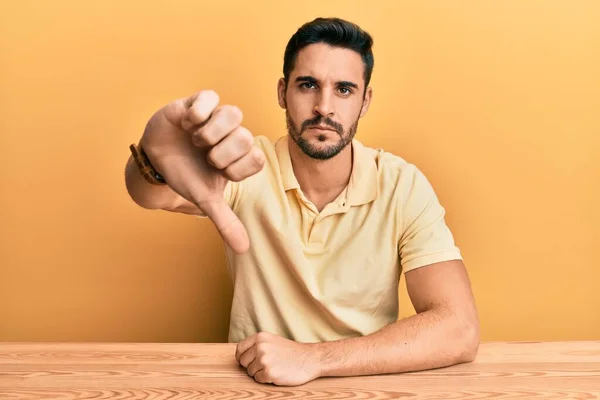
(335, 32)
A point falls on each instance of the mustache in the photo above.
(320, 120)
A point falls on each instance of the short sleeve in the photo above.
(425, 237)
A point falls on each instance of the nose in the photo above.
(324, 105)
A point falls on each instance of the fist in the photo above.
(269, 358)
(199, 146)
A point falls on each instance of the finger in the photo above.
(255, 365)
(246, 166)
(222, 121)
(244, 345)
(175, 111)
(235, 145)
(262, 377)
(248, 357)
(228, 224)
(199, 106)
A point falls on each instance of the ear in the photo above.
(366, 101)
(281, 93)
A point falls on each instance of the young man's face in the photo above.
(325, 98)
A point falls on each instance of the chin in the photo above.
(320, 150)
(324, 141)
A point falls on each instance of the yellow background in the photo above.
(497, 102)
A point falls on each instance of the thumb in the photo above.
(228, 224)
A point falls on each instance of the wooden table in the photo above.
(548, 370)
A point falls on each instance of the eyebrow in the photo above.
(313, 80)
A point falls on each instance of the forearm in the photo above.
(432, 339)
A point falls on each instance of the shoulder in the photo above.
(398, 176)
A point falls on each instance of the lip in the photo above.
(322, 128)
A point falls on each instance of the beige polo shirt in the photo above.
(311, 276)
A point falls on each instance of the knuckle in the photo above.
(207, 95)
(258, 157)
(268, 372)
(233, 176)
(264, 360)
(214, 159)
(204, 135)
(261, 349)
(203, 106)
(198, 114)
(233, 112)
(245, 138)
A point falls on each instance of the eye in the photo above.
(345, 90)
(307, 85)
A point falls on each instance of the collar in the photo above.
(363, 186)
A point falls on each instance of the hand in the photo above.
(272, 359)
(198, 147)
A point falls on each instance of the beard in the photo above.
(320, 152)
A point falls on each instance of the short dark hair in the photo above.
(335, 32)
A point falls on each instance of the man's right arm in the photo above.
(199, 148)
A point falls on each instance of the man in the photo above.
(318, 227)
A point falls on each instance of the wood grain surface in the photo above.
(518, 370)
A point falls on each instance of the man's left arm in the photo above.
(443, 332)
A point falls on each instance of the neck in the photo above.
(321, 181)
